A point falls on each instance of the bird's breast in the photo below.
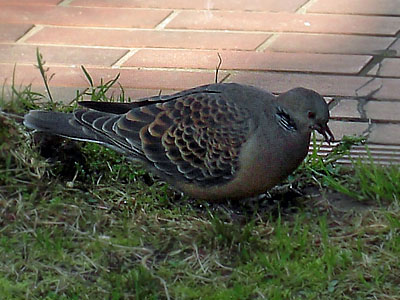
(264, 161)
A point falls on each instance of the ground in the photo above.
(78, 221)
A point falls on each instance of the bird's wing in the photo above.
(124, 107)
(195, 137)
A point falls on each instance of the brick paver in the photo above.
(346, 49)
(57, 55)
(348, 128)
(383, 110)
(245, 60)
(129, 78)
(147, 38)
(330, 43)
(287, 22)
(31, 2)
(389, 67)
(362, 7)
(254, 5)
(385, 134)
(396, 48)
(346, 108)
(12, 33)
(281, 82)
(389, 89)
(82, 16)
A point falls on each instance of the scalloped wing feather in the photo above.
(193, 138)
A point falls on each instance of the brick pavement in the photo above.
(348, 50)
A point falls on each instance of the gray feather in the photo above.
(57, 123)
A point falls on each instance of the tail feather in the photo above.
(58, 123)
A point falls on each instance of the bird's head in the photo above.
(308, 110)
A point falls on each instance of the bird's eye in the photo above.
(311, 115)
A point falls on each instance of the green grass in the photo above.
(91, 225)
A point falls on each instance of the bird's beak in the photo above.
(325, 131)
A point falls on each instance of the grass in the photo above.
(77, 221)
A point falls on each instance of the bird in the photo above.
(211, 142)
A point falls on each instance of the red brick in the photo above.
(155, 79)
(30, 2)
(342, 128)
(383, 110)
(327, 85)
(59, 93)
(389, 67)
(385, 134)
(321, 43)
(74, 77)
(147, 38)
(285, 22)
(24, 75)
(11, 33)
(68, 94)
(364, 7)
(81, 16)
(346, 108)
(53, 55)
(396, 48)
(390, 89)
(246, 60)
(255, 5)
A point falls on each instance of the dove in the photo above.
(212, 142)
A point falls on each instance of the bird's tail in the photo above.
(58, 123)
